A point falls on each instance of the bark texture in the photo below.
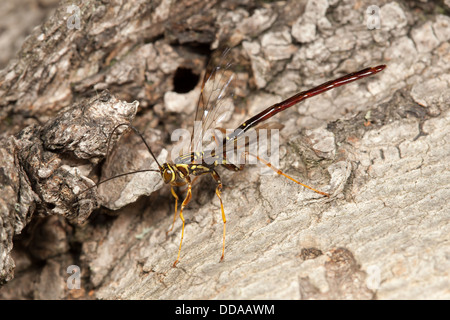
(378, 146)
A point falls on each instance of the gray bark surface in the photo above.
(379, 146)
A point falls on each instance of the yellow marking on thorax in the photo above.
(183, 170)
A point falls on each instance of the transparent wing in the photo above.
(255, 141)
(215, 103)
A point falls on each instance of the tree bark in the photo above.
(379, 146)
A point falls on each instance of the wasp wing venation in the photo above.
(215, 102)
(257, 139)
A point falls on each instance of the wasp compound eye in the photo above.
(168, 175)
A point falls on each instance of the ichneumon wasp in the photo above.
(186, 168)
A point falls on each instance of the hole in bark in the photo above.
(184, 80)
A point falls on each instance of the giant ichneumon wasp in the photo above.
(216, 86)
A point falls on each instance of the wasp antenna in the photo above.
(123, 174)
(139, 134)
(128, 173)
(117, 176)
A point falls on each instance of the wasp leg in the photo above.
(176, 203)
(172, 190)
(285, 175)
(183, 204)
(216, 177)
(195, 179)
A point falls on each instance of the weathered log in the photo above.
(379, 146)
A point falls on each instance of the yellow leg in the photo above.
(176, 208)
(195, 179)
(224, 221)
(183, 204)
(285, 175)
(218, 192)
(172, 190)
